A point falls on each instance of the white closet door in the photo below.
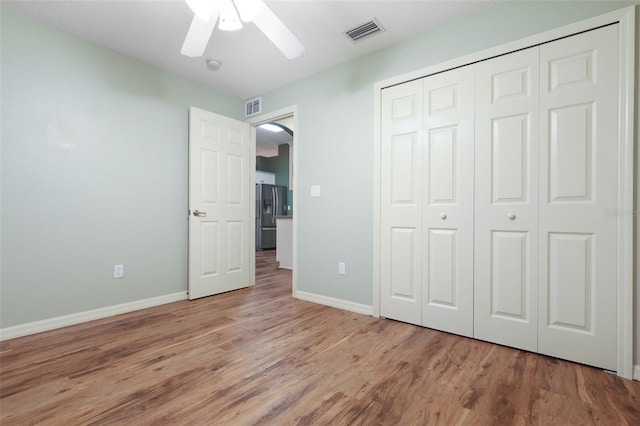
(401, 195)
(578, 186)
(506, 199)
(447, 279)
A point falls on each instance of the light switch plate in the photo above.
(118, 271)
(315, 191)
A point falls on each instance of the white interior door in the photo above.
(221, 196)
(578, 185)
(506, 203)
(447, 254)
(401, 210)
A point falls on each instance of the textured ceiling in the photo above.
(153, 31)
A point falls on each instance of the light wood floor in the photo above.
(258, 356)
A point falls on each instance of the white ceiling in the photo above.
(153, 31)
(267, 141)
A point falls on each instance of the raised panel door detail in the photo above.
(572, 69)
(234, 179)
(443, 99)
(210, 133)
(447, 201)
(443, 145)
(209, 177)
(400, 201)
(570, 153)
(510, 286)
(510, 84)
(209, 248)
(403, 247)
(219, 185)
(570, 281)
(579, 156)
(509, 152)
(506, 200)
(442, 279)
(403, 108)
(235, 138)
(403, 169)
(234, 246)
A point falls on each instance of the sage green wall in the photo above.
(94, 161)
(338, 225)
(94, 173)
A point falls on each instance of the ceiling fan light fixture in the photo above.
(229, 19)
(224, 13)
(201, 8)
(248, 9)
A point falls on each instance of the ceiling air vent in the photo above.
(364, 30)
(252, 107)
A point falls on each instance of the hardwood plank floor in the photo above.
(258, 356)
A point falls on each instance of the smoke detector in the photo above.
(213, 64)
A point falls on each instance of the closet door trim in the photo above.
(625, 18)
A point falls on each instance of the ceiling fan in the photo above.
(228, 14)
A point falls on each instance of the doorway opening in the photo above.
(275, 136)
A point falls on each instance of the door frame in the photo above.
(625, 301)
(286, 112)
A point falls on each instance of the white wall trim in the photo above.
(626, 19)
(377, 185)
(626, 158)
(636, 372)
(80, 317)
(334, 303)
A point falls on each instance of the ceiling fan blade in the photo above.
(198, 36)
(248, 9)
(278, 33)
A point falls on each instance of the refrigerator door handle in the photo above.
(274, 199)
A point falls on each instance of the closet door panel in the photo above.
(401, 203)
(506, 198)
(447, 278)
(578, 186)
(510, 252)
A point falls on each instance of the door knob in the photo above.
(198, 213)
(511, 216)
(443, 216)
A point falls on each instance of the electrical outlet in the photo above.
(118, 271)
(342, 268)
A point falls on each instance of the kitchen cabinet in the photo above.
(284, 241)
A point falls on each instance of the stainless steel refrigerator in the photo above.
(270, 202)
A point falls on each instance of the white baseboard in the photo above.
(334, 303)
(636, 372)
(63, 321)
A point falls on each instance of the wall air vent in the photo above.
(252, 107)
(364, 30)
